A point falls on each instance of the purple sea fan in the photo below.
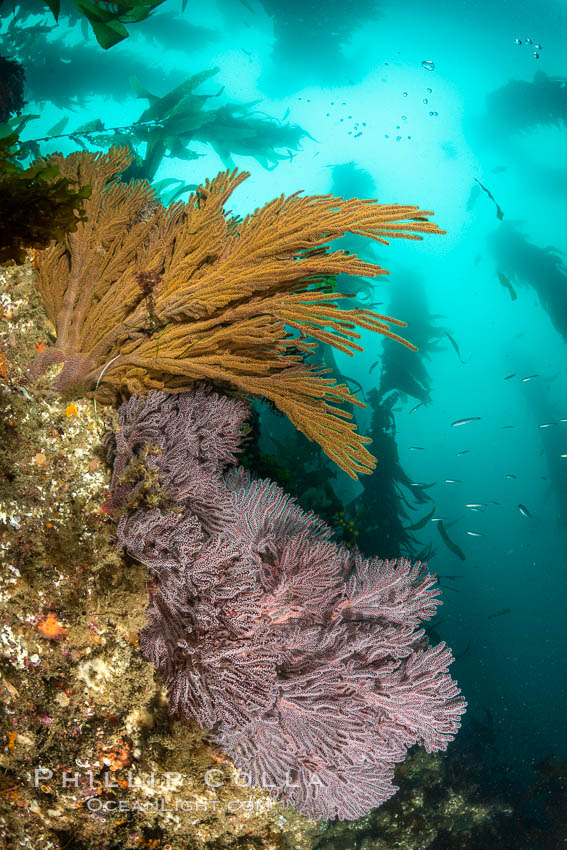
(304, 659)
(189, 439)
(353, 694)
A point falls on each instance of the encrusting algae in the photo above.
(145, 297)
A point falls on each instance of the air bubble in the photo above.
(428, 64)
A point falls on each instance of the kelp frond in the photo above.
(37, 204)
(143, 296)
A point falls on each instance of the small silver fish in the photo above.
(499, 613)
(547, 424)
(465, 421)
(529, 378)
(453, 481)
(464, 452)
(524, 511)
(476, 534)
(511, 476)
(513, 375)
(416, 449)
(476, 505)
(456, 347)
(422, 522)
(507, 285)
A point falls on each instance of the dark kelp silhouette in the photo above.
(236, 129)
(172, 31)
(378, 517)
(67, 74)
(541, 268)
(107, 20)
(348, 180)
(38, 205)
(547, 797)
(171, 122)
(552, 448)
(519, 105)
(382, 511)
(409, 376)
(389, 494)
(11, 88)
(326, 25)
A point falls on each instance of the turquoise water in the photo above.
(405, 94)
